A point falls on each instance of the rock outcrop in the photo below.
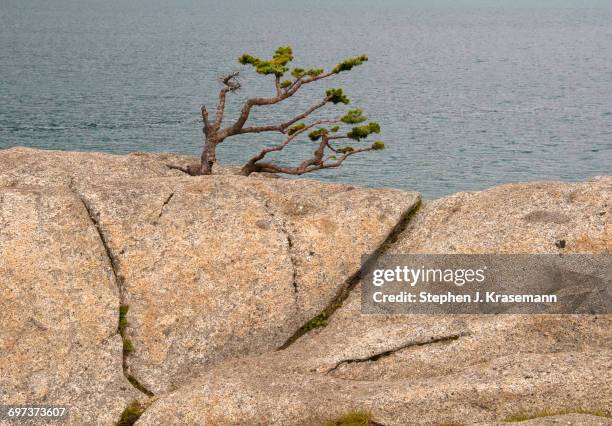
(434, 369)
(540, 217)
(220, 267)
(210, 267)
(219, 277)
(58, 308)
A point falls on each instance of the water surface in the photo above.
(469, 93)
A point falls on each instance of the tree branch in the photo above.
(277, 84)
(231, 85)
(204, 112)
(317, 162)
(281, 96)
(286, 142)
(305, 80)
(281, 127)
(300, 170)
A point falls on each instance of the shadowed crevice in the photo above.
(389, 352)
(114, 263)
(165, 204)
(352, 281)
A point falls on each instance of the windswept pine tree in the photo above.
(329, 136)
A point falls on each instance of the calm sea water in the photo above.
(469, 93)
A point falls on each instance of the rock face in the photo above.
(219, 272)
(210, 267)
(59, 303)
(434, 369)
(541, 217)
(25, 166)
(224, 266)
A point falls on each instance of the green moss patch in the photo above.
(355, 418)
(316, 322)
(123, 310)
(128, 346)
(131, 414)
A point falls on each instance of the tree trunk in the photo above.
(209, 156)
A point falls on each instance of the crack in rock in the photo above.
(352, 281)
(283, 228)
(389, 352)
(109, 254)
(114, 264)
(161, 211)
(290, 243)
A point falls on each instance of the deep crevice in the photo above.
(389, 352)
(352, 281)
(290, 243)
(114, 263)
(132, 412)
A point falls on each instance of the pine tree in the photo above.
(330, 136)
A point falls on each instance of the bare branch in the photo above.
(230, 85)
(250, 103)
(204, 112)
(305, 80)
(300, 170)
(277, 84)
(281, 127)
(317, 162)
(251, 163)
(192, 169)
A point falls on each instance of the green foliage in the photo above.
(355, 418)
(283, 55)
(128, 346)
(354, 116)
(275, 66)
(349, 63)
(345, 149)
(362, 132)
(314, 72)
(297, 72)
(286, 83)
(335, 129)
(123, 310)
(316, 322)
(292, 130)
(315, 135)
(278, 64)
(301, 72)
(378, 145)
(131, 414)
(337, 96)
